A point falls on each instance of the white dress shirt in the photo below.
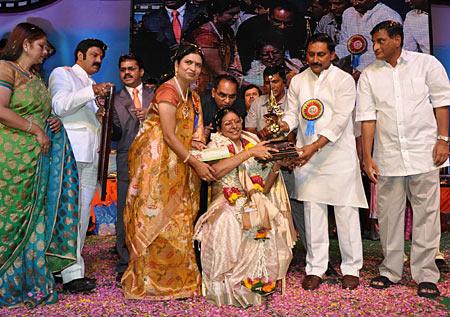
(355, 23)
(131, 92)
(417, 34)
(332, 175)
(329, 26)
(255, 116)
(180, 11)
(401, 100)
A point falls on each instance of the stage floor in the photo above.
(329, 300)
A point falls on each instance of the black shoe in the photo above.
(80, 285)
(91, 279)
(119, 279)
(330, 271)
(58, 279)
(442, 266)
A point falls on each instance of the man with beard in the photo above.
(331, 23)
(417, 34)
(74, 94)
(164, 29)
(130, 109)
(357, 22)
(321, 100)
(281, 22)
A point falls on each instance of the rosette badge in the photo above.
(312, 110)
(356, 45)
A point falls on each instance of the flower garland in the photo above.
(232, 194)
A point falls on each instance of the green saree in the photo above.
(38, 198)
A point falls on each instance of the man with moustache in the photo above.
(282, 22)
(321, 100)
(331, 23)
(255, 123)
(359, 20)
(74, 94)
(131, 105)
(403, 100)
(250, 93)
(415, 28)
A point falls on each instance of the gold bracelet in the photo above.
(275, 172)
(248, 153)
(30, 124)
(187, 158)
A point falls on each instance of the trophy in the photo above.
(277, 139)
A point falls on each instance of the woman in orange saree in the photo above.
(163, 194)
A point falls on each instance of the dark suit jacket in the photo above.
(158, 22)
(126, 126)
(210, 108)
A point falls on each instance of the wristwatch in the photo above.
(443, 138)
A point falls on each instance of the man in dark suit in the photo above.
(164, 28)
(131, 105)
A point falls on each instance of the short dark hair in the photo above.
(323, 38)
(222, 113)
(227, 77)
(251, 86)
(392, 28)
(273, 70)
(220, 6)
(131, 56)
(282, 4)
(86, 44)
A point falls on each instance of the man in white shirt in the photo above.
(255, 122)
(321, 100)
(331, 23)
(415, 28)
(402, 103)
(360, 20)
(74, 95)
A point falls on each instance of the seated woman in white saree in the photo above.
(247, 233)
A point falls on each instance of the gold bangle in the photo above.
(248, 153)
(30, 124)
(187, 158)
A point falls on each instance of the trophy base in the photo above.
(286, 150)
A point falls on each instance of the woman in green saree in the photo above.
(38, 177)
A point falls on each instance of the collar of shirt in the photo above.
(404, 57)
(130, 90)
(322, 74)
(180, 10)
(81, 73)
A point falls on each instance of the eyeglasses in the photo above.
(224, 96)
(231, 123)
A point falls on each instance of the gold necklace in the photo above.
(28, 73)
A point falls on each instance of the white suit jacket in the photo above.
(73, 101)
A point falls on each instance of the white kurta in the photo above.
(332, 176)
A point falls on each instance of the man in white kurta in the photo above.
(74, 95)
(329, 173)
(360, 19)
(402, 102)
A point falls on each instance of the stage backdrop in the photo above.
(69, 21)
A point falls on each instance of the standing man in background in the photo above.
(74, 94)
(131, 105)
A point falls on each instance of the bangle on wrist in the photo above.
(275, 171)
(318, 146)
(30, 125)
(187, 158)
(248, 153)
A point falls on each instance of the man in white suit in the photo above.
(74, 95)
